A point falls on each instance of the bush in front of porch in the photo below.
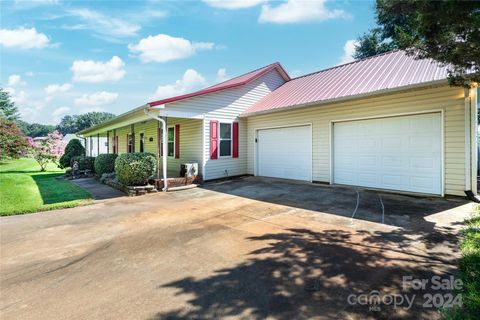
(134, 169)
(105, 163)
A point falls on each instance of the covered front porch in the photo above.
(139, 132)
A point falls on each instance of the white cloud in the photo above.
(96, 99)
(163, 48)
(60, 111)
(29, 108)
(15, 79)
(102, 24)
(348, 51)
(57, 88)
(30, 73)
(20, 98)
(222, 75)
(191, 81)
(299, 11)
(233, 4)
(23, 38)
(26, 4)
(97, 71)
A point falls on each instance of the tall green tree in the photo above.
(372, 43)
(76, 123)
(444, 30)
(8, 110)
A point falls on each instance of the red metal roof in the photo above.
(382, 72)
(232, 83)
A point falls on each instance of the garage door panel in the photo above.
(285, 153)
(399, 153)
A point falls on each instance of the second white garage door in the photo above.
(285, 153)
(398, 153)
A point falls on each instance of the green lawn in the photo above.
(469, 267)
(24, 189)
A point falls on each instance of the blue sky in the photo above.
(69, 57)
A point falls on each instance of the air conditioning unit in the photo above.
(188, 169)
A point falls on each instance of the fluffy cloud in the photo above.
(57, 88)
(191, 81)
(96, 99)
(23, 38)
(163, 48)
(15, 79)
(60, 111)
(97, 71)
(222, 75)
(233, 4)
(348, 51)
(102, 24)
(19, 97)
(299, 11)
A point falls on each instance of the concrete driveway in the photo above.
(246, 248)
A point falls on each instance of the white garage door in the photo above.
(398, 153)
(285, 153)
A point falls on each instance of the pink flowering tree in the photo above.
(48, 150)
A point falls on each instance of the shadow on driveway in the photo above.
(300, 274)
(370, 205)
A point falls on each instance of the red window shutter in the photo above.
(177, 141)
(235, 140)
(213, 140)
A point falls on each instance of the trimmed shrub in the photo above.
(74, 148)
(84, 163)
(105, 163)
(134, 169)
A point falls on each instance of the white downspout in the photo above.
(467, 135)
(473, 135)
(164, 146)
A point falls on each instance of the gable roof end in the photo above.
(231, 83)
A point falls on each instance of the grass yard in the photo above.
(469, 266)
(24, 189)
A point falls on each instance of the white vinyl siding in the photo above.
(448, 99)
(190, 145)
(149, 129)
(225, 106)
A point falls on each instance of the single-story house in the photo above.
(388, 122)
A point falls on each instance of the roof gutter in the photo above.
(348, 98)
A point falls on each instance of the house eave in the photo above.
(132, 116)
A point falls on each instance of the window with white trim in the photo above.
(130, 143)
(171, 142)
(225, 139)
(142, 141)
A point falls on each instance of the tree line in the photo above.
(68, 124)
